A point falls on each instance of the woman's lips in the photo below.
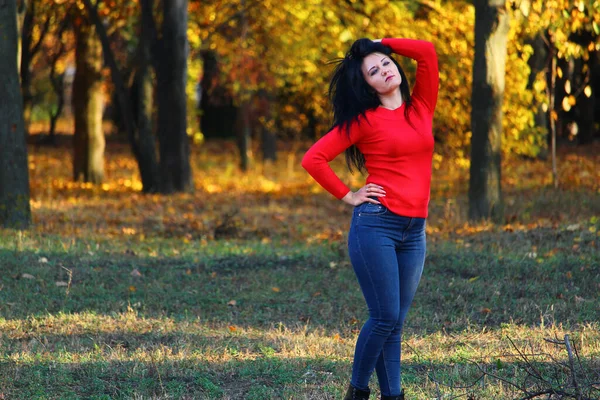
(389, 77)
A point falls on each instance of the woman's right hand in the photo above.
(364, 194)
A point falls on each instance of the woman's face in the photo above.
(381, 73)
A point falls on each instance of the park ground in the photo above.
(243, 289)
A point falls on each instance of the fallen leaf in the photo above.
(573, 227)
(27, 276)
(132, 288)
(551, 253)
(43, 260)
(569, 275)
(188, 271)
(61, 283)
(232, 303)
(276, 289)
(486, 310)
(473, 279)
(136, 273)
(232, 328)
(213, 275)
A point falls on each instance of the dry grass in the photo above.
(242, 289)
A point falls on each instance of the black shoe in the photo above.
(357, 394)
(399, 397)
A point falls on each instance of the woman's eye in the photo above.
(386, 63)
(373, 72)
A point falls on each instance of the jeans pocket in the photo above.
(371, 209)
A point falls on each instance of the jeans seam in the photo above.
(387, 376)
(407, 228)
(372, 284)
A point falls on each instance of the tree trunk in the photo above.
(15, 211)
(136, 117)
(27, 51)
(596, 91)
(243, 135)
(57, 81)
(22, 6)
(585, 105)
(552, 112)
(538, 62)
(491, 30)
(58, 87)
(268, 117)
(142, 98)
(269, 144)
(171, 77)
(26, 56)
(243, 129)
(218, 114)
(89, 143)
(143, 104)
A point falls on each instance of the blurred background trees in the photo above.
(173, 74)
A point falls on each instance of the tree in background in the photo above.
(271, 58)
(36, 24)
(134, 101)
(15, 211)
(169, 58)
(88, 104)
(167, 51)
(491, 33)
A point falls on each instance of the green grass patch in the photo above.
(161, 318)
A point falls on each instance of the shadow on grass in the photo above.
(264, 285)
(274, 378)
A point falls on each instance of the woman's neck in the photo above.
(392, 101)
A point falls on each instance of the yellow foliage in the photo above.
(287, 45)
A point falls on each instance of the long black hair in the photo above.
(351, 95)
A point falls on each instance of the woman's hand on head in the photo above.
(364, 195)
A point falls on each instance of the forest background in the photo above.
(172, 247)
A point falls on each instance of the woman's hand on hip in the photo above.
(364, 194)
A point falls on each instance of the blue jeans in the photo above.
(387, 252)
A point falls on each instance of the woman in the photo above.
(388, 132)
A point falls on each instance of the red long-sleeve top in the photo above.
(397, 154)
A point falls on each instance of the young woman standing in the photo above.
(388, 132)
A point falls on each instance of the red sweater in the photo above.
(397, 156)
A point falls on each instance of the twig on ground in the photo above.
(572, 367)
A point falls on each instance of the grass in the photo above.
(243, 289)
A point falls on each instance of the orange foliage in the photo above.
(278, 201)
